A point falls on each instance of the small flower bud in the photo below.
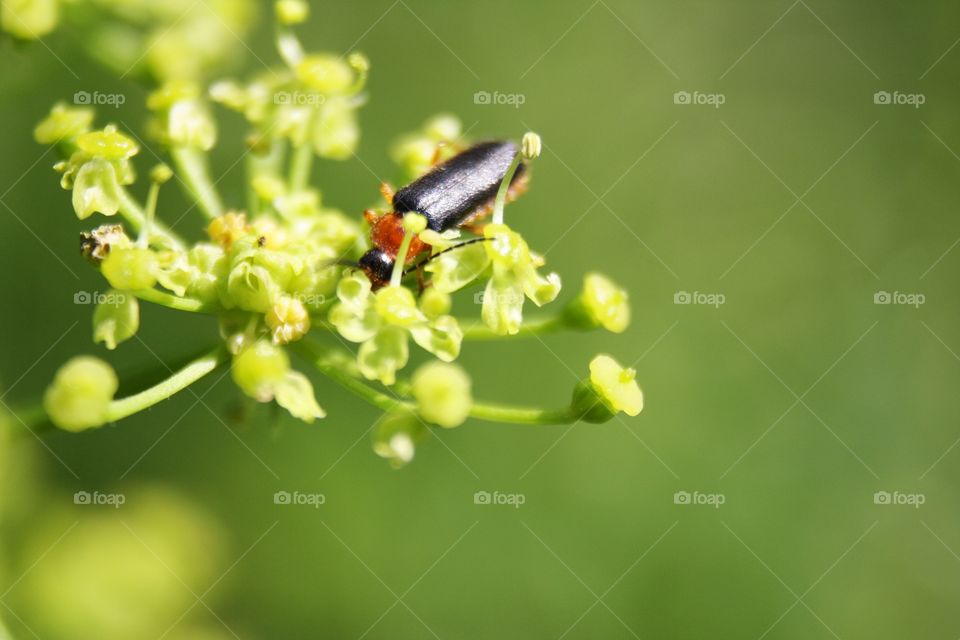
(336, 133)
(609, 390)
(288, 320)
(161, 174)
(251, 287)
(602, 303)
(189, 124)
(259, 368)
(116, 318)
(80, 394)
(63, 123)
(414, 222)
(358, 62)
(268, 188)
(29, 19)
(443, 127)
(169, 93)
(130, 268)
(396, 438)
(325, 72)
(292, 12)
(443, 394)
(531, 145)
(397, 306)
(435, 303)
(229, 93)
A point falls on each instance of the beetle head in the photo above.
(378, 266)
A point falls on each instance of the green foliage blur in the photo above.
(788, 236)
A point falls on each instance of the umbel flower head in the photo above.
(276, 268)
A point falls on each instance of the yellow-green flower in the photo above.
(262, 371)
(514, 278)
(29, 19)
(609, 390)
(326, 73)
(288, 320)
(130, 268)
(63, 123)
(116, 318)
(291, 12)
(396, 438)
(80, 394)
(382, 322)
(602, 303)
(108, 144)
(438, 139)
(442, 392)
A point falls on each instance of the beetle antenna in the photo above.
(440, 253)
(340, 262)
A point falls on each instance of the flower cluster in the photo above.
(273, 269)
(173, 39)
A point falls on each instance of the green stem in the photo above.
(476, 330)
(331, 362)
(504, 188)
(522, 415)
(267, 163)
(174, 302)
(152, 196)
(396, 276)
(134, 214)
(178, 381)
(192, 165)
(300, 166)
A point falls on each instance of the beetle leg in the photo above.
(370, 216)
(475, 227)
(387, 192)
(437, 154)
(421, 282)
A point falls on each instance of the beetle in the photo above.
(455, 193)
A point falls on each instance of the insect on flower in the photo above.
(456, 193)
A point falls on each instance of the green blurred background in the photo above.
(796, 400)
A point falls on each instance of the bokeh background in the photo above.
(794, 202)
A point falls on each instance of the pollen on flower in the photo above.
(228, 228)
